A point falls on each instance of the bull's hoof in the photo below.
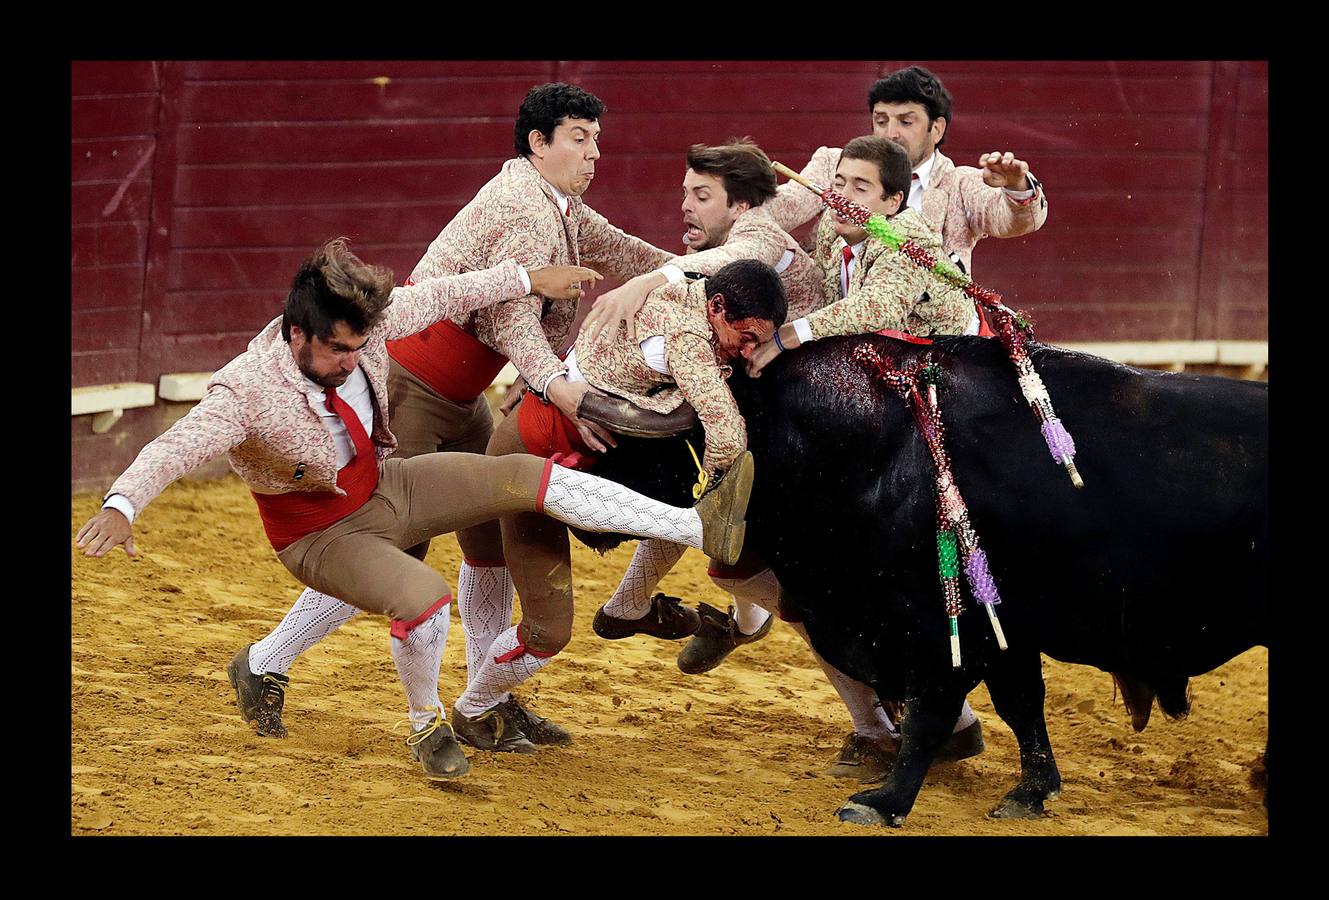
(1018, 809)
(859, 814)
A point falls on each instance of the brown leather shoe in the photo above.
(260, 697)
(717, 637)
(538, 730)
(722, 511)
(435, 747)
(668, 619)
(492, 730)
(865, 759)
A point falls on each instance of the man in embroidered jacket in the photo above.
(531, 211)
(1000, 198)
(866, 287)
(302, 416)
(686, 334)
(725, 189)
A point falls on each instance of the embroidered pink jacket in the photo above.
(756, 235)
(886, 290)
(697, 374)
(515, 216)
(257, 408)
(957, 202)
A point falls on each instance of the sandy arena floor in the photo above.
(159, 748)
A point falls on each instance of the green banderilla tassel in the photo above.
(877, 227)
(948, 557)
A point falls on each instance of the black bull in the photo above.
(1156, 569)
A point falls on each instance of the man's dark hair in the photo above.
(548, 104)
(332, 286)
(914, 85)
(891, 159)
(752, 290)
(742, 166)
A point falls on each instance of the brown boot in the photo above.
(864, 759)
(668, 619)
(717, 637)
(722, 510)
(492, 730)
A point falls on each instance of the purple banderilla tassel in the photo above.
(1058, 440)
(980, 579)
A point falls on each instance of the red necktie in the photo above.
(848, 255)
(568, 211)
(354, 427)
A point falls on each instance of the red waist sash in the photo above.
(290, 516)
(547, 432)
(452, 362)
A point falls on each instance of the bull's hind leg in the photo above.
(928, 723)
(1015, 684)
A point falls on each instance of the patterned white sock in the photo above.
(651, 562)
(491, 684)
(575, 498)
(418, 657)
(313, 617)
(870, 719)
(966, 719)
(484, 599)
(755, 598)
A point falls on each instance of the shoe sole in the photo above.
(736, 529)
(463, 740)
(433, 777)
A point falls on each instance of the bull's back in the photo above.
(1161, 559)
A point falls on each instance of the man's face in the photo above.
(860, 181)
(740, 338)
(567, 160)
(707, 214)
(907, 125)
(328, 363)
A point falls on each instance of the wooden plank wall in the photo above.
(1155, 173)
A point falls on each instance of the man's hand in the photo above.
(561, 282)
(104, 532)
(516, 391)
(566, 395)
(1003, 170)
(767, 351)
(620, 305)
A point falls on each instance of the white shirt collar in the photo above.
(559, 197)
(924, 170)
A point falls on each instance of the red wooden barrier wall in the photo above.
(199, 186)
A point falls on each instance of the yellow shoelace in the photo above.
(418, 736)
(702, 478)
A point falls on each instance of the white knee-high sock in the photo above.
(575, 498)
(313, 617)
(484, 599)
(755, 598)
(651, 562)
(870, 719)
(418, 656)
(491, 684)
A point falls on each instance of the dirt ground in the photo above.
(158, 746)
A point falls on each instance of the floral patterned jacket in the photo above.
(257, 407)
(697, 373)
(957, 202)
(515, 216)
(886, 290)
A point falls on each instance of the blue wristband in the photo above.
(778, 342)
